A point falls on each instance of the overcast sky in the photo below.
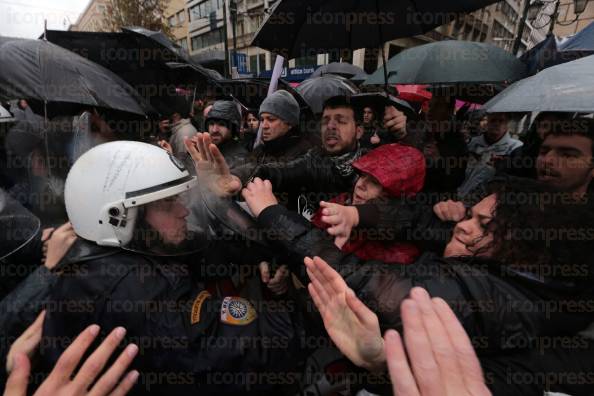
(24, 18)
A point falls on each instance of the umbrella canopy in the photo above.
(159, 39)
(251, 92)
(552, 51)
(5, 115)
(451, 62)
(36, 69)
(317, 90)
(379, 100)
(197, 71)
(581, 42)
(542, 55)
(360, 78)
(564, 88)
(298, 28)
(338, 68)
(147, 60)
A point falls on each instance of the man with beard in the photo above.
(321, 172)
(223, 122)
(565, 158)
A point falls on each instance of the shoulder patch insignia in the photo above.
(195, 316)
(237, 311)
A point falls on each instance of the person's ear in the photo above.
(359, 132)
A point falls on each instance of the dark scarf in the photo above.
(344, 163)
(280, 144)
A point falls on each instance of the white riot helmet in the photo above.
(106, 186)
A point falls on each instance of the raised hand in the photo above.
(342, 219)
(279, 283)
(352, 326)
(395, 122)
(258, 195)
(27, 343)
(211, 166)
(57, 245)
(61, 381)
(450, 210)
(441, 360)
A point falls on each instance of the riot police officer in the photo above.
(138, 210)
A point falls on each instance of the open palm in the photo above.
(352, 326)
(211, 166)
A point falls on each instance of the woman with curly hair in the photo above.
(516, 272)
(517, 268)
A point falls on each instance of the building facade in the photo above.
(176, 17)
(93, 18)
(207, 30)
(567, 22)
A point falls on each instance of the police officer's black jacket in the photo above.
(191, 340)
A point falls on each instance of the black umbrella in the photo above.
(251, 92)
(583, 41)
(551, 51)
(542, 55)
(360, 78)
(5, 115)
(299, 28)
(317, 90)
(451, 62)
(378, 102)
(342, 69)
(159, 39)
(568, 87)
(172, 50)
(147, 60)
(37, 69)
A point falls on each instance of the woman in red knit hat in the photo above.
(390, 171)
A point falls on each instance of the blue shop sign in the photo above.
(240, 62)
(292, 73)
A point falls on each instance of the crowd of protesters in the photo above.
(243, 251)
